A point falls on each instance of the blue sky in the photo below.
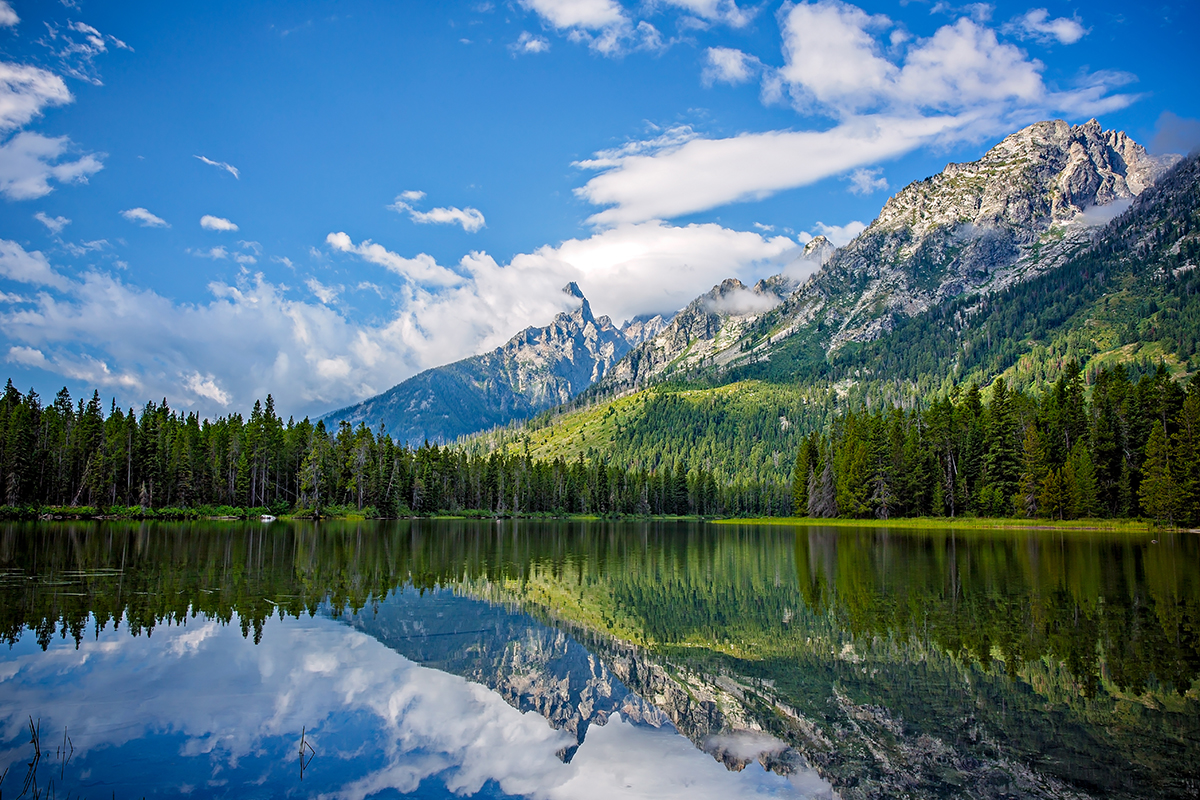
(412, 183)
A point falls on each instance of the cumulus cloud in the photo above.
(252, 336)
(960, 84)
(587, 14)
(54, 224)
(528, 43)
(728, 65)
(8, 17)
(1037, 24)
(211, 223)
(29, 161)
(601, 24)
(669, 265)
(232, 170)
(18, 265)
(411, 196)
(205, 386)
(867, 181)
(144, 218)
(25, 91)
(422, 268)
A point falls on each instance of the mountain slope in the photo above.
(1132, 296)
(536, 369)
(1024, 208)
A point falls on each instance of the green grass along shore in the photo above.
(350, 513)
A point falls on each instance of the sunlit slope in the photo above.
(745, 431)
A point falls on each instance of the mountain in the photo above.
(1024, 208)
(537, 369)
(1131, 297)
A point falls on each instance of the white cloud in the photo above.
(326, 294)
(53, 224)
(25, 91)
(144, 218)
(206, 386)
(414, 723)
(215, 253)
(77, 54)
(588, 14)
(838, 235)
(1036, 24)
(252, 337)
(211, 223)
(27, 357)
(960, 84)
(744, 301)
(8, 17)
(654, 267)
(83, 248)
(471, 219)
(29, 161)
(411, 196)
(232, 170)
(601, 24)
(528, 43)
(422, 268)
(705, 173)
(867, 181)
(762, 227)
(18, 265)
(725, 11)
(727, 65)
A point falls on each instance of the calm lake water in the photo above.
(592, 660)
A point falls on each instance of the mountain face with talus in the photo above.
(1024, 208)
(537, 369)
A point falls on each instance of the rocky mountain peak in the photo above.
(536, 369)
(819, 249)
(1045, 173)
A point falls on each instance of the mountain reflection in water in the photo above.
(668, 659)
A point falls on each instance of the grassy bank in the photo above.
(957, 523)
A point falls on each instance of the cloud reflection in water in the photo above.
(201, 703)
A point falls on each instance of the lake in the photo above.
(440, 658)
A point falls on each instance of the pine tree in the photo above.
(1085, 497)
(1033, 472)
(1158, 492)
(1002, 464)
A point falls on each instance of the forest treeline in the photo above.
(71, 453)
(1129, 451)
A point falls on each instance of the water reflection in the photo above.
(571, 660)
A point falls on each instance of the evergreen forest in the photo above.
(1119, 448)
